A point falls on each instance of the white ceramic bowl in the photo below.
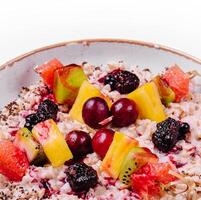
(19, 72)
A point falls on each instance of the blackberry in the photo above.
(81, 177)
(33, 119)
(183, 130)
(48, 108)
(122, 81)
(166, 135)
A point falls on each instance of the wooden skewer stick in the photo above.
(193, 74)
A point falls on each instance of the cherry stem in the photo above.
(106, 121)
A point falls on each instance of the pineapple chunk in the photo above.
(52, 140)
(118, 150)
(87, 91)
(148, 102)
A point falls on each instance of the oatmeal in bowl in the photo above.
(94, 132)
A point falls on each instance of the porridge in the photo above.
(102, 133)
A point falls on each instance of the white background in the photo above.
(29, 24)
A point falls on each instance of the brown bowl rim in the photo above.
(99, 40)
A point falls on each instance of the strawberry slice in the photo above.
(146, 181)
(13, 162)
(178, 81)
(46, 71)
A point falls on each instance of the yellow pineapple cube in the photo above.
(118, 150)
(53, 142)
(86, 91)
(148, 102)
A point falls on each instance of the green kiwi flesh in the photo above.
(129, 166)
(25, 142)
(40, 159)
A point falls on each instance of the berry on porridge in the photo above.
(121, 80)
(102, 133)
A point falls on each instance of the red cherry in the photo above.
(79, 143)
(124, 112)
(94, 111)
(102, 140)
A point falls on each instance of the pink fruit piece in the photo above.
(178, 81)
(146, 181)
(13, 162)
(46, 71)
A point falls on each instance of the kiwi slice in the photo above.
(40, 159)
(129, 166)
(25, 142)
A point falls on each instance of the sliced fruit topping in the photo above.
(86, 92)
(102, 141)
(118, 150)
(162, 171)
(148, 102)
(146, 181)
(79, 143)
(53, 142)
(13, 162)
(136, 158)
(94, 111)
(81, 177)
(168, 133)
(166, 93)
(178, 81)
(41, 159)
(122, 81)
(46, 71)
(26, 143)
(67, 81)
(146, 186)
(124, 112)
(46, 110)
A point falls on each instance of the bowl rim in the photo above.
(87, 42)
